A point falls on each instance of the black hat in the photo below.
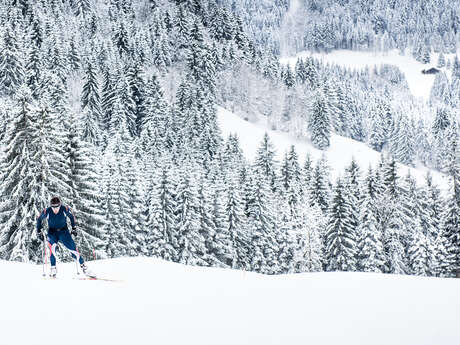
(55, 202)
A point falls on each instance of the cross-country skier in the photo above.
(58, 231)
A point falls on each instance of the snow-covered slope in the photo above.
(339, 154)
(165, 303)
(419, 84)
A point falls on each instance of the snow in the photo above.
(164, 303)
(419, 84)
(339, 154)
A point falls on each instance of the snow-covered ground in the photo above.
(339, 154)
(164, 303)
(419, 84)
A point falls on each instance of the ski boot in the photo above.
(53, 272)
(86, 271)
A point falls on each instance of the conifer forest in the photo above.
(112, 105)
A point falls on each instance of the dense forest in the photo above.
(422, 25)
(117, 115)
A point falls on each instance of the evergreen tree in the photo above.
(84, 177)
(81, 7)
(74, 56)
(441, 61)
(224, 240)
(124, 106)
(34, 71)
(262, 226)
(451, 221)
(266, 164)
(138, 93)
(108, 96)
(237, 222)
(340, 240)
(370, 247)
(426, 55)
(190, 243)
(319, 124)
(401, 143)
(117, 192)
(440, 91)
(320, 191)
(153, 126)
(12, 72)
(391, 219)
(25, 174)
(162, 219)
(417, 252)
(121, 38)
(91, 106)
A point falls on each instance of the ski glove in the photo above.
(74, 231)
(40, 236)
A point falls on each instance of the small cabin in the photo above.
(430, 71)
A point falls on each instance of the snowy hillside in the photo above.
(339, 154)
(419, 84)
(164, 303)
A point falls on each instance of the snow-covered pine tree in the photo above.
(441, 61)
(91, 105)
(291, 179)
(117, 188)
(390, 219)
(85, 179)
(74, 57)
(161, 219)
(401, 143)
(81, 7)
(108, 96)
(153, 126)
(136, 195)
(430, 205)
(370, 255)
(340, 240)
(307, 173)
(137, 87)
(125, 104)
(310, 240)
(440, 91)
(320, 186)
(121, 38)
(12, 72)
(24, 175)
(237, 221)
(319, 123)
(33, 71)
(451, 215)
(262, 224)
(224, 241)
(418, 250)
(190, 245)
(265, 163)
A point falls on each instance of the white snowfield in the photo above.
(163, 303)
(339, 155)
(419, 84)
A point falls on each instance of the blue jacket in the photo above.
(56, 221)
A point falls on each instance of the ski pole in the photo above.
(44, 255)
(77, 261)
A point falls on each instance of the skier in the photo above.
(58, 231)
